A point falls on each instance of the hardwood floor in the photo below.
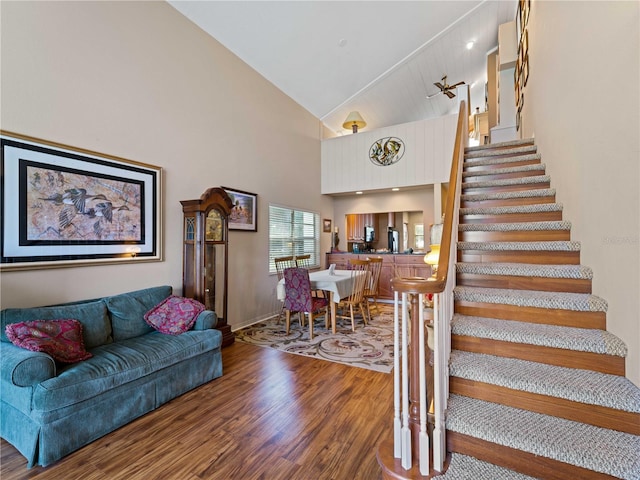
(272, 415)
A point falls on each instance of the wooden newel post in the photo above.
(413, 387)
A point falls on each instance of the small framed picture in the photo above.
(244, 213)
(326, 225)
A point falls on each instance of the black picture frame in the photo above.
(244, 213)
(63, 206)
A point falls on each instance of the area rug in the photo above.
(369, 347)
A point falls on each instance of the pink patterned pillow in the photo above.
(174, 315)
(62, 339)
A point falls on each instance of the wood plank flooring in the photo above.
(272, 415)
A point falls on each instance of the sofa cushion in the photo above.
(127, 311)
(96, 328)
(119, 363)
(62, 339)
(174, 315)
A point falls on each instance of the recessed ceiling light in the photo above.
(395, 189)
(358, 193)
(470, 45)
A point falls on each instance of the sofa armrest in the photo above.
(25, 368)
(206, 319)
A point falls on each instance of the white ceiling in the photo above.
(380, 58)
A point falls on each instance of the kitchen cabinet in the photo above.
(356, 223)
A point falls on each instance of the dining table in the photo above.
(337, 282)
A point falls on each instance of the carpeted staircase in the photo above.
(537, 383)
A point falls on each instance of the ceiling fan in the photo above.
(445, 88)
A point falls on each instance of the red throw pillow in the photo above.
(174, 315)
(62, 339)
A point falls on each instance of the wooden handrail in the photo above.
(438, 285)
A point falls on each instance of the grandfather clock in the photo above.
(205, 254)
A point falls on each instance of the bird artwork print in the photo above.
(76, 207)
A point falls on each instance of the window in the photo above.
(293, 232)
(419, 236)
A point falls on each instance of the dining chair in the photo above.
(359, 278)
(297, 286)
(304, 261)
(404, 271)
(282, 263)
(372, 287)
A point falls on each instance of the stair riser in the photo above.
(513, 282)
(539, 258)
(513, 217)
(523, 462)
(490, 147)
(500, 176)
(503, 153)
(515, 236)
(544, 316)
(469, 167)
(470, 189)
(596, 362)
(547, 405)
(507, 202)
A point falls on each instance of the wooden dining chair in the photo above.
(304, 261)
(282, 263)
(372, 287)
(404, 271)
(297, 286)
(359, 278)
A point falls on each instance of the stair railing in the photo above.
(419, 391)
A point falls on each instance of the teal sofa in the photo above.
(48, 410)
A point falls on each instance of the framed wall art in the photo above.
(64, 206)
(244, 214)
(326, 225)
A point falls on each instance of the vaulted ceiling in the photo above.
(380, 58)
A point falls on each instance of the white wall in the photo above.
(346, 166)
(582, 105)
(140, 81)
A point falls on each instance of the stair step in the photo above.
(516, 231)
(577, 302)
(491, 163)
(497, 145)
(556, 252)
(577, 272)
(516, 150)
(552, 344)
(508, 198)
(464, 467)
(580, 395)
(508, 184)
(512, 209)
(524, 276)
(508, 172)
(545, 437)
(541, 212)
(560, 308)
